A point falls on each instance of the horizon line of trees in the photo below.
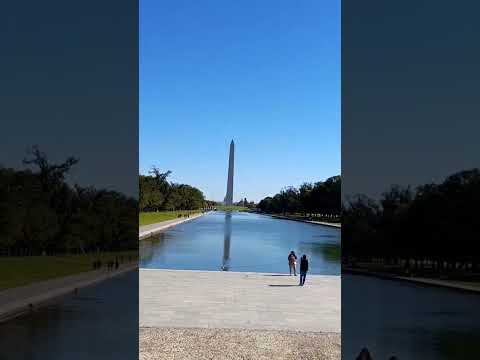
(433, 226)
(40, 213)
(245, 203)
(309, 199)
(156, 193)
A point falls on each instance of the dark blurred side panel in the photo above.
(69, 180)
(411, 179)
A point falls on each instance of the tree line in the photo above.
(41, 214)
(431, 228)
(157, 193)
(322, 198)
(245, 203)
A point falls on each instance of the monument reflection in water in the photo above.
(238, 241)
(226, 241)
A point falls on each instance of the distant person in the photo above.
(364, 355)
(292, 263)
(303, 269)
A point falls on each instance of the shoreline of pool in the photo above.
(335, 225)
(150, 230)
(19, 301)
(427, 282)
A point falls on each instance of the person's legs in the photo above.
(290, 268)
(304, 276)
(295, 269)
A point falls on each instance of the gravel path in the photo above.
(241, 344)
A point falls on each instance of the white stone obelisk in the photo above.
(229, 196)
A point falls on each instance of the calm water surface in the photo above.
(408, 320)
(242, 242)
(101, 322)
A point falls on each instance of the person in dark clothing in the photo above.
(364, 355)
(303, 269)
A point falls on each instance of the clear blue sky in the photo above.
(264, 73)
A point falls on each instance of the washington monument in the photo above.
(229, 196)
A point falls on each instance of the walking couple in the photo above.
(292, 264)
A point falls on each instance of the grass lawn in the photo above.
(147, 218)
(23, 270)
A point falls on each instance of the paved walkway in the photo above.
(15, 302)
(215, 299)
(152, 229)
